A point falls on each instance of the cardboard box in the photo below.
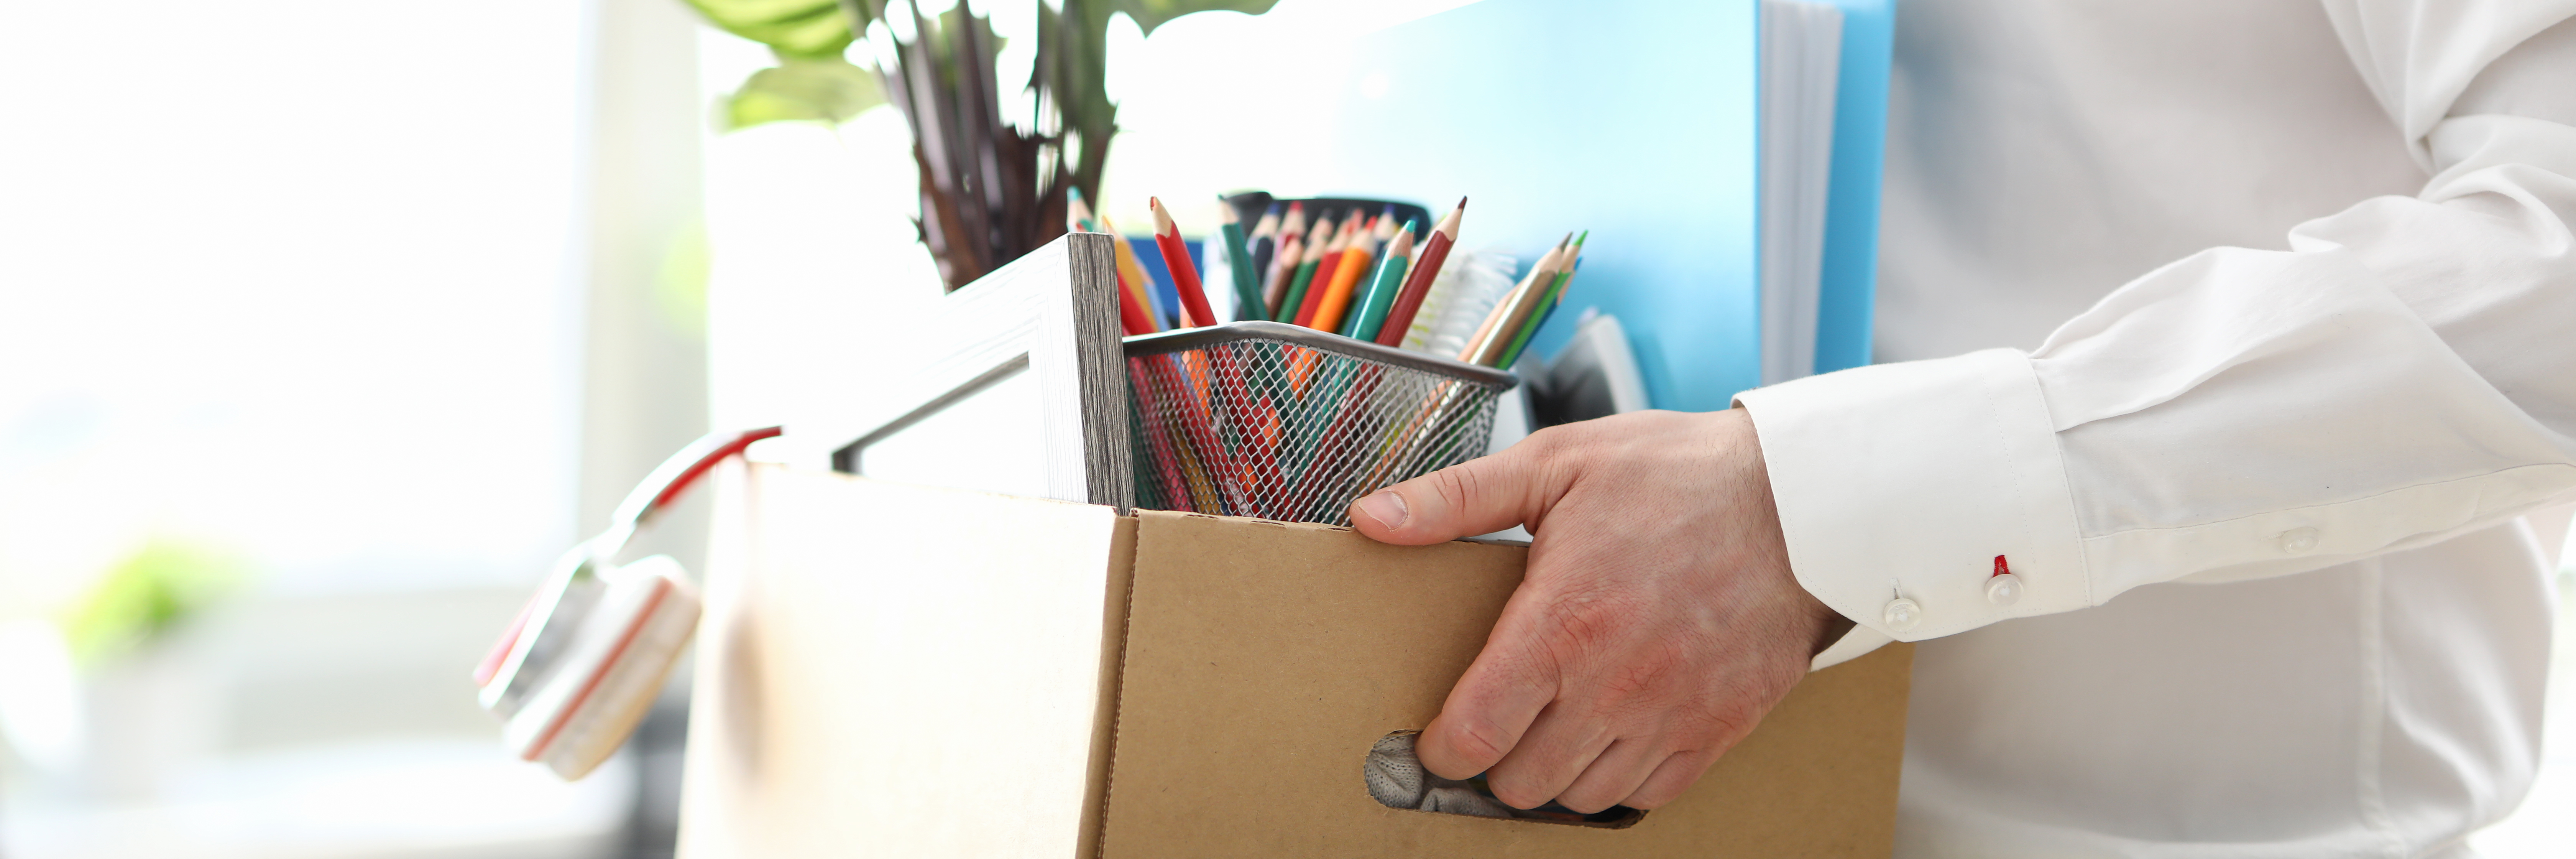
(899, 671)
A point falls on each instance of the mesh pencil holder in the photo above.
(1284, 422)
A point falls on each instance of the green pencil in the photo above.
(1238, 261)
(1304, 276)
(1384, 284)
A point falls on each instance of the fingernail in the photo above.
(1384, 506)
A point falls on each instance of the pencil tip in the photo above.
(1462, 202)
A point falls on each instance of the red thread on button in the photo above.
(2000, 568)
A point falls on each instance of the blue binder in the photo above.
(1636, 120)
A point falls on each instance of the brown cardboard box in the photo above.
(898, 671)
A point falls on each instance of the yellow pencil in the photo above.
(1139, 290)
(1134, 271)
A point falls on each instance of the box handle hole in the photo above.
(1396, 779)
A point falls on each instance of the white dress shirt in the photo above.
(2243, 330)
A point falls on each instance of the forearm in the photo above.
(2399, 375)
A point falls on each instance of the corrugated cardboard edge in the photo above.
(1116, 602)
(1113, 663)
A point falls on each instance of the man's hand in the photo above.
(1657, 623)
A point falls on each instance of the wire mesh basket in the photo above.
(1284, 422)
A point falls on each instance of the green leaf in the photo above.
(1153, 13)
(165, 584)
(825, 90)
(805, 29)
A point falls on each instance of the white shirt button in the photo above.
(2298, 541)
(2004, 589)
(1902, 615)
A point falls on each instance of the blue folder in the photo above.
(1638, 121)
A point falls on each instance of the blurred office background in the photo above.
(324, 327)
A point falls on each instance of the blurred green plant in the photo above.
(990, 191)
(144, 597)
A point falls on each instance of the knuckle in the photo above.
(1714, 729)
(1517, 791)
(1582, 626)
(1585, 802)
(1557, 448)
(1653, 796)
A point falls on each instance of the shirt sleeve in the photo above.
(2404, 373)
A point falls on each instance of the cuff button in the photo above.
(1902, 615)
(2003, 590)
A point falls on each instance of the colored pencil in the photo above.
(1546, 303)
(1524, 301)
(1131, 315)
(1248, 293)
(1283, 264)
(1185, 274)
(1526, 304)
(1509, 312)
(1263, 241)
(1327, 256)
(1544, 313)
(1238, 262)
(1135, 272)
(1417, 283)
(1297, 305)
(1132, 289)
(1388, 280)
(1302, 275)
(1355, 253)
(1291, 249)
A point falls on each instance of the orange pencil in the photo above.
(1355, 259)
(1327, 267)
(1185, 274)
(1417, 283)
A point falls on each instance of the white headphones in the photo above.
(577, 670)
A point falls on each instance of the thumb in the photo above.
(1480, 496)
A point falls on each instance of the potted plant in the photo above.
(990, 190)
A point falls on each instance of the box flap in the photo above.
(901, 671)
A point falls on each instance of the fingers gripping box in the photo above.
(888, 670)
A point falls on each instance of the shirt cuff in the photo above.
(1900, 485)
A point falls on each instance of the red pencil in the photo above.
(1131, 316)
(1185, 276)
(1417, 285)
